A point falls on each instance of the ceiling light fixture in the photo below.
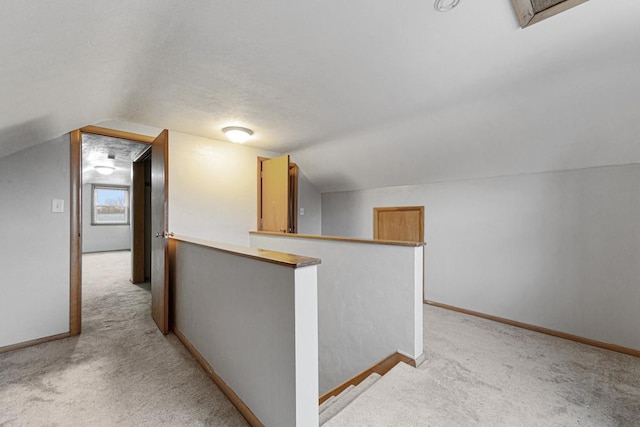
(104, 170)
(237, 134)
(445, 5)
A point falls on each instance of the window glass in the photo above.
(110, 205)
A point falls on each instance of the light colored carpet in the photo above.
(121, 370)
(479, 372)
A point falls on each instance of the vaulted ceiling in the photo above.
(363, 93)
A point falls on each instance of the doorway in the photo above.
(108, 194)
(277, 195)
(101, 203)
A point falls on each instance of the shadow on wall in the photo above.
(24, 135)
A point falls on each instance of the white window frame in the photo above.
(94, 199)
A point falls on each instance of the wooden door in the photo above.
(159, 226)
(275, 193)
(405, 223)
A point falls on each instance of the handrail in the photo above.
(343, 239)
(280, 258)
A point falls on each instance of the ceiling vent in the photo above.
(531, 11)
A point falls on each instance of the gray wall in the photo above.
(369, 302)
(101, 238)
(309, 199)
(34, 255)
(256, 324)
(558, 250)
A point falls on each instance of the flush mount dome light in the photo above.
(237, 134)
(104, 170)
(445, 5)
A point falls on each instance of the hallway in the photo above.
(120, 370)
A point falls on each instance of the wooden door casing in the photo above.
(75, 211)
(138, 213)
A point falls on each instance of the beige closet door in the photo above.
(404, 223)
(275, 194)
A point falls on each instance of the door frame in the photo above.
(75, 210)
(139, 210)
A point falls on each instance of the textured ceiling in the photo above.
(100, 150)
(363, 93)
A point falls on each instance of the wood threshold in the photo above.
(546, 331)
(380, 368)
(233, 397)
(341, 239)
(112, 133)
(30, 343)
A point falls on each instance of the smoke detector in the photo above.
(445, 5)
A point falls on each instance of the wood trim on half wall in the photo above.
(582, 340)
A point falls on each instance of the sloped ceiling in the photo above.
(363, 93)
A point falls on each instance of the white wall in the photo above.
(558, 250)
(213, 190)
(369, 301)
(34, 255)
(256, 324)
(309, 199)
(100, 238)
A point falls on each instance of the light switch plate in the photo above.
(301, 211)
(57, 205)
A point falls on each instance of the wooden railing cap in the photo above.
(273, 257)
(342, 239)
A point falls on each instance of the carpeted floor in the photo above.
(123, 371)
(479, 372)
(120, 370)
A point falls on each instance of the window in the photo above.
(531, 11)
(110, 205)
